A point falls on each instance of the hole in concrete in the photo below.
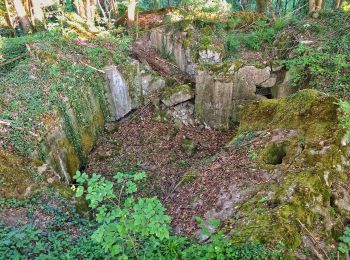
(332, 201)
(273, 203)
(347, 223)
(275, 153)
(262, 91)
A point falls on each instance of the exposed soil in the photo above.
(206, 184)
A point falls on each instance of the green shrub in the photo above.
(326, 65)
(127, 224)
(263, 33)
(233, 22)
(320, 69)
(232, 44)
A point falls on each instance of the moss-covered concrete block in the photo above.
(177, 95)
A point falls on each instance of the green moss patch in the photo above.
(53, 101)
(303, 154)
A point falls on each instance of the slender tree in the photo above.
(270, 7)
(131, 12)
(6, 13)
(261, 6)
(80, 7)
(38, 15)
(337, 4)
(312, 6)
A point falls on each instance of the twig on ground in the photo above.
(91, 67)
(14, 59)
(313, 239)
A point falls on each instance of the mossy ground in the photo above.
(305, 163)
(185, 89)
(51, 88)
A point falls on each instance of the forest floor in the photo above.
(187, 185)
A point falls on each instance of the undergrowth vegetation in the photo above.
(323, 65)
(48, 227)
(131, 226)
(56, 68)
(344, 245)
(124, 226)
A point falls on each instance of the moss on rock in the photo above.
(307, 164)
(16, 175)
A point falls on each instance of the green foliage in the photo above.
(345, 117)
(214, 6)
(344, 245)
(326, 67)
(29, 241)
(54, 240)
(261, 34)
(138, 228)
(11, 48)
(242, 139)
(232, 43)
(127, 224)
(320, 69)
(37, 86)
(252, 155)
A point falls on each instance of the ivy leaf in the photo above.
(131, 187)
(214, 223)
(80, 191)
(139, 176)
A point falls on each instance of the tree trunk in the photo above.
(38, 16)
(272, 12)
(114, 9)
(22, 16)
(337, 4)
(87, 10)
(131, 12)
(285, 6)
(312, 6)
(93, 7)
(7, 15)
(79, 5)
(103, 10)
(319, 4)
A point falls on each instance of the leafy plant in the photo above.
(232, 43)
(345, 117)
(127, 224)
(252, 155)
(138, 228)
(344, 245)
(57, 239)
(325, 67)
(242, 139)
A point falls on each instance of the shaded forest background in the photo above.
(26, 16)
